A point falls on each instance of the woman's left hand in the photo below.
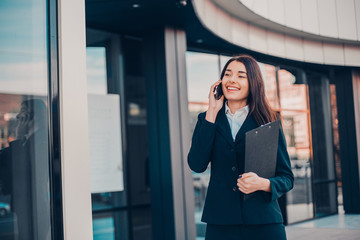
(251, 182)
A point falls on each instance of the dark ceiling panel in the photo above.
(123, 16)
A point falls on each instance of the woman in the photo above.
(219, 138)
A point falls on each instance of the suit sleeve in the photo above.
(201, 144)
(284, 177)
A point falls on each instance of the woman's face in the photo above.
(235, 83)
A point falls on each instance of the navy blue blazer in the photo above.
(224, 204)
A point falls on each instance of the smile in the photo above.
(230, 88)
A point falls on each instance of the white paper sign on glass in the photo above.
(105, 143)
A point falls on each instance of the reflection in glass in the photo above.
(97, 88)
(291, 101)
(96, 70)
(271, 90)
(296, 117)
(24, 156)
(106, 225)
(336, 140)
(223, 61)
(292, 95)
(121, 89)
(202, 71)
(325, 201)
(299, 199)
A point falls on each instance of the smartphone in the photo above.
(218, 92)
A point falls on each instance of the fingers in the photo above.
(245, 188)
(248, 174)
(214, 85)
(247, 182)
(211, 93)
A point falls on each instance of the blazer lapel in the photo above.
(224, 127)
(248, 125)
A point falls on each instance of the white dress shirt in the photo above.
(237, 119)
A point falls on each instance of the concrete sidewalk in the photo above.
(335, 227)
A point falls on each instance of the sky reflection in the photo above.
(23, 47)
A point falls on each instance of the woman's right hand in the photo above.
(214, 105)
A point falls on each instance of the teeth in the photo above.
(231, 88)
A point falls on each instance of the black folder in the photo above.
(261, 145)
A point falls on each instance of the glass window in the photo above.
(137, 138)
(24, 136)
(119, 155)
(271, 84)
(289, 97)
(108, 190)
(110, 225)
(300, 199)
(202, 71)
(96, 70)
(223, 61)
(295, 114)
(336, 140)
(293, 94)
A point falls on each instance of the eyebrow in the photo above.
(238, 71)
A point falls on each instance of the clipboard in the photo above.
(261, 146)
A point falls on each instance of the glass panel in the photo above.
(223, 61)
(271, 90)
(107, 106)
(104, 118)
(142, 223)
(335, 126)
(137, 139)
(202, 72)
(110, 226)
(325, 198)
(296, 129)
(292, 95)
(96, 70)
(106, 137)
(299, 199)
(24, 155)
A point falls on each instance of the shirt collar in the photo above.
(244, 109)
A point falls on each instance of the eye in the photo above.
(227, 74)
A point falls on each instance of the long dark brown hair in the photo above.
(258, 105)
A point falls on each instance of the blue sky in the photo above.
(202, 71)
(96, 70)
(23, 47)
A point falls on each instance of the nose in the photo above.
(232, 79)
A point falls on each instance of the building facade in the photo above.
(99, 98)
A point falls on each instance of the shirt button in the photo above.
(234, 189)
(233, 168)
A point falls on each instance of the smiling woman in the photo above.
(242, 108)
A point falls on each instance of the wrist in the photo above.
(211, 115)
(266, 185)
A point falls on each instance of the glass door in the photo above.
(118, 139)
(25, 197)
(289, 96)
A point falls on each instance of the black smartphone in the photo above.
(218, 92)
